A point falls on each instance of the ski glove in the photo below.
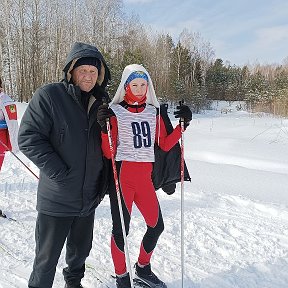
(185, 114)
(104, 113)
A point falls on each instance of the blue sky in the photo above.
(240, 32)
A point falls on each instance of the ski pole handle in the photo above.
(181, 102)
(104, 101)
(182, 124)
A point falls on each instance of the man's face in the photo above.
(85, 76)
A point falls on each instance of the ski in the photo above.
(139, 283)
(10, 253)
(96, 275)
(136, 283)
(3, 215)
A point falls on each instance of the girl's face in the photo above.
(138, 87)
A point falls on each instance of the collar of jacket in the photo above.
(73, 91)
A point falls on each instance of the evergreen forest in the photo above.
(36, 35)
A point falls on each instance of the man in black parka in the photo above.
(59, 133)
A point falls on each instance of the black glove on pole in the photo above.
(104, 113)
(184, 113)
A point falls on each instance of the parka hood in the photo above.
(80, 50)
(120, 93)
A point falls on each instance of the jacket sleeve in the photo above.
(105, 140)
(9, 109)
(165, 141)
(34, 137)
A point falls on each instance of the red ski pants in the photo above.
(136, 187)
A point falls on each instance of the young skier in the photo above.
(8, 125)
(135, 127)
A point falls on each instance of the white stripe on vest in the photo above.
(136, 134)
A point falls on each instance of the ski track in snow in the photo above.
(232, 240)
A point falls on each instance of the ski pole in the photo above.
(6, 147)
(182, 196)
(126, 250)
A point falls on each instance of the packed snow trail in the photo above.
(236, 213)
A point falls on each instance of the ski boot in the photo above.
(146, 276)
(123, 282)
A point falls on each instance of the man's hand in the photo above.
(104, 113)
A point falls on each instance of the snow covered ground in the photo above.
(236, 211)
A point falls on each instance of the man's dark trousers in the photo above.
(50, 235)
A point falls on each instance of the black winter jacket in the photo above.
(166, 168)
(64, 142)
